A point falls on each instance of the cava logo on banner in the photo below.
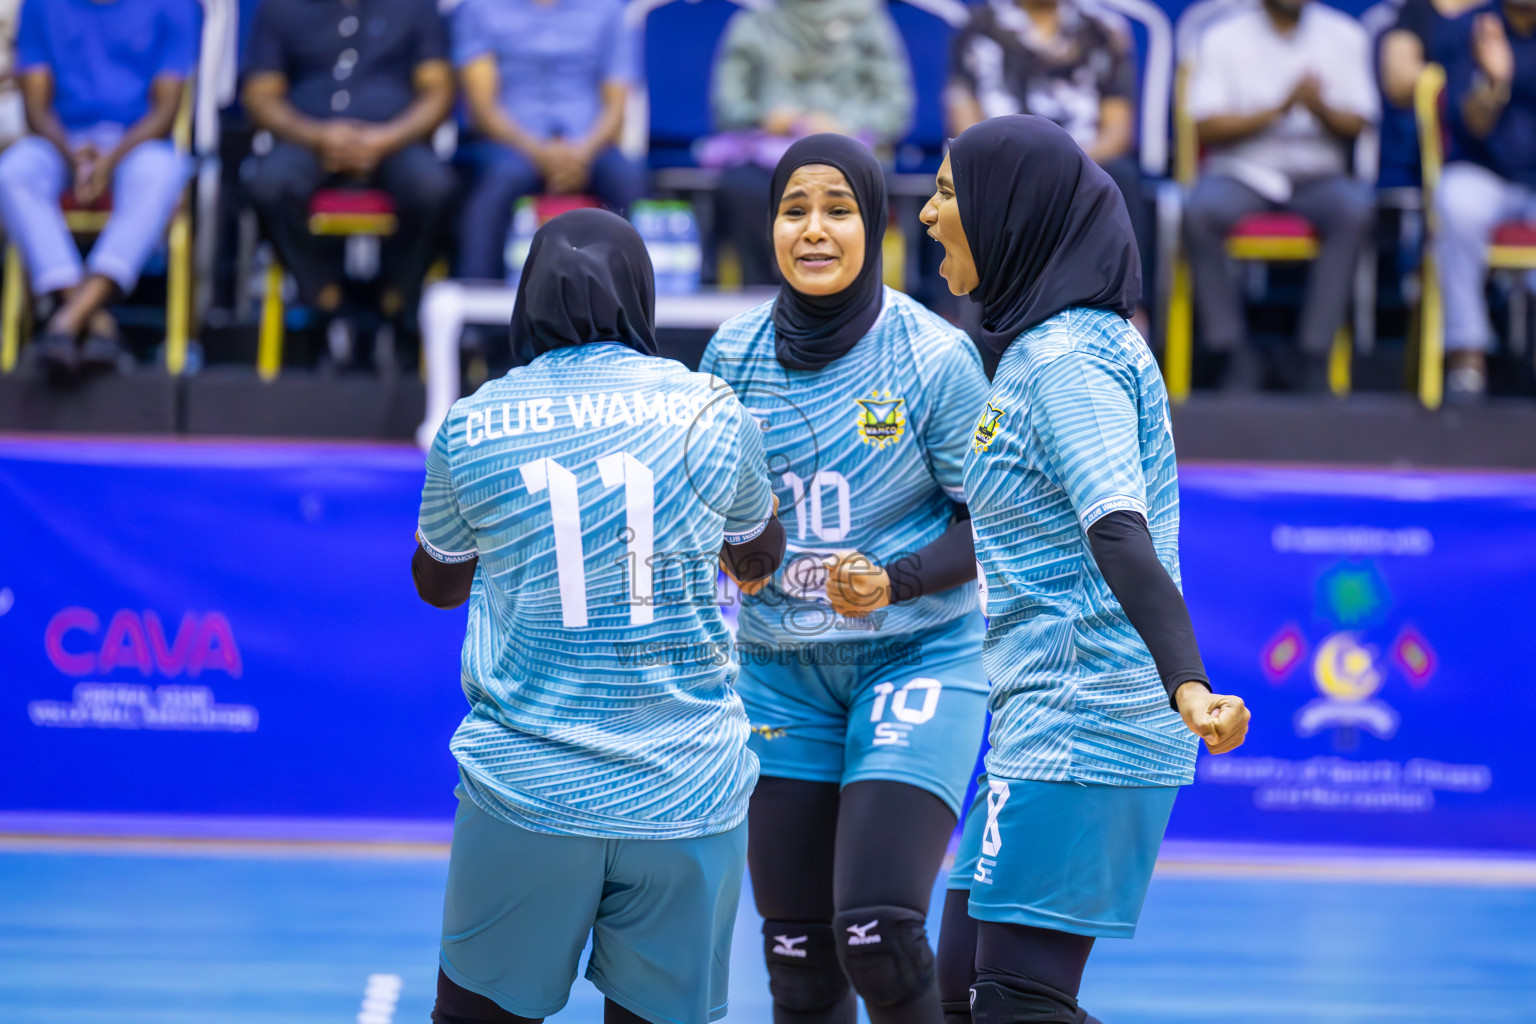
(132, 643)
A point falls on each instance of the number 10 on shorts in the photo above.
(912, 705)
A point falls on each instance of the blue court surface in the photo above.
(247, 934)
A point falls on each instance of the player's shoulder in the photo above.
(486, 392)
(916, 319)
(509, 384)
(711, 383)
(740, 332)
(934, 342)
(741, 341)
(500, 389)
(717, 413)
(1088, 337)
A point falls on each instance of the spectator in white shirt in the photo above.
(1278, 94)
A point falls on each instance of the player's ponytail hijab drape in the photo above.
(1047, 227)
(587, 278)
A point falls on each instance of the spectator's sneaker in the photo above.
(57, 355)
(1465, 384)
(101, 354)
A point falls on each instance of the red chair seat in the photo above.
(1517, 233)
(344, 212)
(547, 208)
(351, 202)
(1277, 224)
(103, 203)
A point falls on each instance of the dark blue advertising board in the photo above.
(230, 629)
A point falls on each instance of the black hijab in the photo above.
(1048, 228)
(587, 278)
(813, 330)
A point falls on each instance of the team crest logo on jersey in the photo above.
(882, 418)
(987, 429)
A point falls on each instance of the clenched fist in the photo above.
(1219, 719)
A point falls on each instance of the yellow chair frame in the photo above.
(269, 343)
(1426, 108)
(1426, 111)
(1179, 347)
(15, 312)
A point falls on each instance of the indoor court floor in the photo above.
(161, 933)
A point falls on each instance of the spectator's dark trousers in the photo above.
(280, 185)
(1342, 209)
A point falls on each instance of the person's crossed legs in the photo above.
(33, 177)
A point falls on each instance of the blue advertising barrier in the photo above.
(230, 629)
(220, 629)
(1379, 625)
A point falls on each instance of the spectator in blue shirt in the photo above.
(545, 83)
(102, 81)
(1491, 109)
(352, 90)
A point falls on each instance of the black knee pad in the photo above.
(885, 952)
(458, 1005)
(1022, 1001)
(803, 970)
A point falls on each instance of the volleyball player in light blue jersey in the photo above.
(1099, 692)
(580, 504)
(863, 680)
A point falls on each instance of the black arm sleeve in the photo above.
(759, 557)
(1122, 547)
(948, 561)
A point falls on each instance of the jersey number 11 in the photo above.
(639, 483)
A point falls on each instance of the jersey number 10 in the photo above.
(639, 483)
(812, 509)
(891, 734)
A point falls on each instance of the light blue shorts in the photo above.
(908, 709)
(1061, 855)
(521, 904)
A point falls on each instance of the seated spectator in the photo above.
(789, 69)
(1426, 31)
(101, 83)
(1279, 93)
(1055, 59)
(352, 93)
(1491, 109)
(545, 84)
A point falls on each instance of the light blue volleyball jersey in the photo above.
(869, 453)
(1076, 427)
(596, 485)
